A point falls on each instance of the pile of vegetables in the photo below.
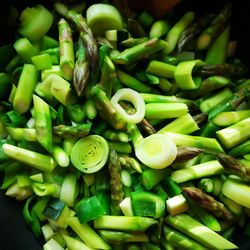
(126, 131)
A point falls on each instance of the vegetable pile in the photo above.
(126, 131)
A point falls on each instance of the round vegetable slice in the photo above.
(90, 153)
(127, 94)
(156, 151)
(35, 22)
(102, 17)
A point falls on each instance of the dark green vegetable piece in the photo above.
(90, 208)
(54, 208)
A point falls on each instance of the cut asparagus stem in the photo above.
(182, 125)
(191, 227)
(208, 202)
(67, 58)
(128, 223)
(25, 88)
(87, 234)
(235, 134)
(139, 52)
(209, 144)
(241, 149)
(31, 158)
(161, 69)
(197, 171)
(19, 134)
(176, 31)
(181, 240)
(43, 123)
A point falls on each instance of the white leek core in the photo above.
(156, 151)
(127, 94)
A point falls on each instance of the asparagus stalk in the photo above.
(181, 240)
(104, 105)
(128, 223)
(81, 25)
(19, 134)
(161, 69)
(231, 103)
(81, 72)
(117, 194)
(25, 49)
(87, 234)
(147, 127)
(67, 56)
(165, 110)
(235, 134)
(234, 166)
(209, 144)
(192, 30)
(197, 171)
(237, 190)
(217, 52)
(72, 131)
(25, 88)
(208, 202)
(141, 51)
(185, 153)
(159, 28)
(182, 125)
(31, 158)
(43, 123)
(229, 118)
(176, 31)
(191, 227)
(223, 69)
(218, 24)
(241, 149)
(132, 82)
(90, 109)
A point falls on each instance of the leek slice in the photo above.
(90, 153)
(130, 95)
(156, 151)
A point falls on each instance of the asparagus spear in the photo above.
(67, 56)
(25, 88)
(224, 69)
(43, 123)
(191, 227)
(81, 70)
(141, 51)
(233, 166)
(176, 31)
(117, 194)
(81, 25)
(72, 131)
(194, 29)
(181, 240)
(208, 202)
(185, 153)
(218, 24)
(104, 105)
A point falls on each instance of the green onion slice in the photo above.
(183, 74)
(130, 95)
(156, 151)
(90, 153)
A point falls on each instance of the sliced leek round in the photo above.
(156, 151)
(90, 153)
(130, 95)
(102, 17)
